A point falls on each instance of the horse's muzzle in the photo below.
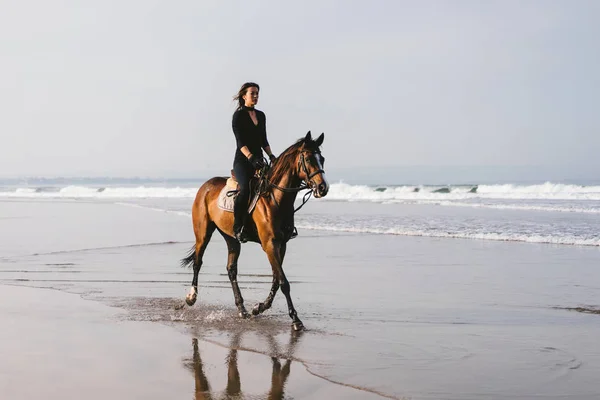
(321, 189)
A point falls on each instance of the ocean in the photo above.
(547, 212)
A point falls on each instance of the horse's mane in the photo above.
(286, 160)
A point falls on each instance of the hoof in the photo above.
(180, 306)
(244, 314)
(259, 308)
(297, 326)
(190, 300)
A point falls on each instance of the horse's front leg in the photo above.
(275, 250)
(233, 254)
(262, 307)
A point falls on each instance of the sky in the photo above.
(464, 89)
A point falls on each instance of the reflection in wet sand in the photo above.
(233, 389)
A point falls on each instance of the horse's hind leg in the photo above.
(233, 254)
(203, 231)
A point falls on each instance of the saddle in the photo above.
(226, 199)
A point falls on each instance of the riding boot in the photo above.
(243, 173)
(239, 220)
(289, 229)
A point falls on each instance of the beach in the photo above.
(441, 159)
(90, 287)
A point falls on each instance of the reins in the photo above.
(264, 181)
(264, 184)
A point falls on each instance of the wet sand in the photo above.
(63, 337)
(403, 317)
(55, 345)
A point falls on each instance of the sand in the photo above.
(400, 317)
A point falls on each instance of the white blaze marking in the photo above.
(322, 173)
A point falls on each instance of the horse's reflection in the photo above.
(233, 389)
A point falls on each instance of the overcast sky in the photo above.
(124, 88)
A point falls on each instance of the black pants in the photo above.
(243, 171)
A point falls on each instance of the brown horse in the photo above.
(299, 167)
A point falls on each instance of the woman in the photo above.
(249, 128)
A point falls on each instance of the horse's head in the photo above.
(310, 162)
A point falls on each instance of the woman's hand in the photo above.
(256, 162)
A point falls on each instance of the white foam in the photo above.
(505, 237)
(341, 191)
(524, 207)
(75, 192)
(531, 237)
(22, 192)
(546, 191)
(215, 316)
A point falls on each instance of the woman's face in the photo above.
(251, 97)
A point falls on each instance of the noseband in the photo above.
(305, 169)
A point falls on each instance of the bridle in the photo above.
(309, 177)
(307, 183)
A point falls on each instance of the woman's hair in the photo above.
(242, 92)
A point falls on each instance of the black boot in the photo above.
(239, 218)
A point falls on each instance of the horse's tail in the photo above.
(188, 261)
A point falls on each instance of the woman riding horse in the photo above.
(249, 128)
(299, 167)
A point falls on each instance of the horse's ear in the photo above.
(320, 139)
(308, 137)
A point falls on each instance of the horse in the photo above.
(299, 167)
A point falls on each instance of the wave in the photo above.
(338, 192)
(87, 192)
(503, 237)
(546, 191)
(529, 237)
(567, 208)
